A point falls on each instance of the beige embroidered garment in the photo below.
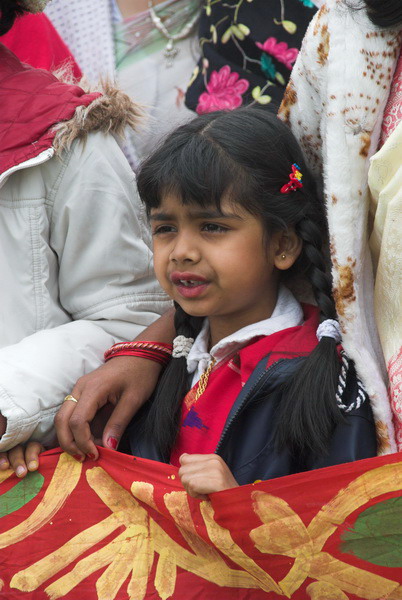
(335, 103)
(385, 182)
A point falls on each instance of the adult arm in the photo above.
(118, 389)
(124, 382)
(106, 286)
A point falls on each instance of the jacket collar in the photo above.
(287, 313)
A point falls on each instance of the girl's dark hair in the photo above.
(9, 11)
(384, 13)
(246, 155)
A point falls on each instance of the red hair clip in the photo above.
(295, 180)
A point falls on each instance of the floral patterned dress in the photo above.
(248, 49)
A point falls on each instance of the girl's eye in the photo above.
(214, 228)
(163, 229)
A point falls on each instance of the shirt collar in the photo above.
(287, 313)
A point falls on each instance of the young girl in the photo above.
(250, 392)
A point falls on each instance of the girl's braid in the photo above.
(308, 411)
(312, 260)
(185, 324)
(163, 420)
(309, 232)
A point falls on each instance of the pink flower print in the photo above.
(225, 91)
(280, 51)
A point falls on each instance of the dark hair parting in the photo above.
(246, 155)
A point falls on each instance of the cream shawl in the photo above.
(334, 104)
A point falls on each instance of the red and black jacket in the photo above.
(247, 440)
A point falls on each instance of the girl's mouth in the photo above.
(189, 285)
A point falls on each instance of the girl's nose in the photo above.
(185, 249)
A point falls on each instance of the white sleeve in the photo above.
(103, 242)
(39, 371)
(106, 283)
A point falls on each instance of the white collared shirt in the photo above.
(287, 313)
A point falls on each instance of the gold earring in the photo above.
(283, 256)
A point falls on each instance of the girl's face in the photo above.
(217, 265)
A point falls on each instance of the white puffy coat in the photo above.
(76, 276)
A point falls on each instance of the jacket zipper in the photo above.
(41, 158)
(266, 374)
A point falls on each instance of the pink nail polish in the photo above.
(78, 457)
(112, 442)
(91, 456)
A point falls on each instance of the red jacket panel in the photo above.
(203, 421)
(32, 101)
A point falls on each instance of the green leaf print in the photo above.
(22, 493)
(377, 535)
(267, 66)
(259, 97)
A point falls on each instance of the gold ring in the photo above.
(70, 397)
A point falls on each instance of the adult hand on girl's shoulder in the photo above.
(21, 459)
(203, 474)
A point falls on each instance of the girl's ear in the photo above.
(287, 248)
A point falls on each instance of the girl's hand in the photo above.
(203, 474)
(21, 458)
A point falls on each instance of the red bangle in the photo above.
(162, 360)
(157, 351)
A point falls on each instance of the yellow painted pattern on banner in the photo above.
(352, 580)
(145, 492)
(283, 532)
(120, 568)
(86, 567)
(142, 559)
(5, 475)
(166, 573)
(323, 591)
(144, 542)
(387, 478)
(178, 506)
(223, 540)
(64, 480)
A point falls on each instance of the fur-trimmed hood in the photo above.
(43, 115)
(111, 112)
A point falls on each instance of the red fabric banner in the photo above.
(124, 528)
